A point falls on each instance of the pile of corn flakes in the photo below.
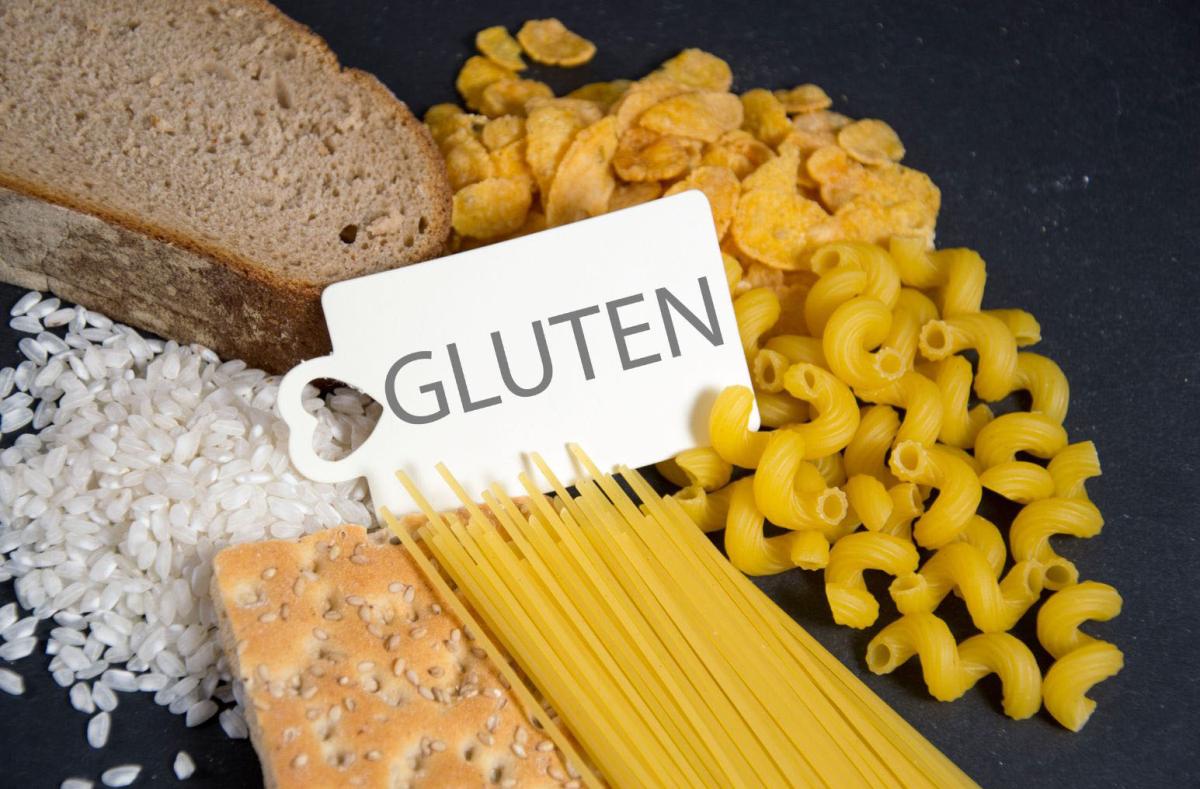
(782, 172)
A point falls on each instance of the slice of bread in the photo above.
(203, 170)
(354, 675)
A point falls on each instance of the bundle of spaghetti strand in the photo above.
(666, 664)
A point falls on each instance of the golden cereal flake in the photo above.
(631, 194)
(584, 181)
(490, 208)
(509, 96)
(737, 150)
(499, 46)
(476, 74)
(778, 174)
(502, 131)
(549, 41)
(871, 141)
(466, 160)
(765, 116)
(804, 98)
(722, 189)
(643, 155)
(771, 227)
(699, 69)
(641, 96)
(605, 94)
(701, 116)
(549, 130)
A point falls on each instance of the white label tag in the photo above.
(616, 333)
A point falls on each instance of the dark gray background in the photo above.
(1064, 137)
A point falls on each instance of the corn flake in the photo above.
(701, 116)
(765, 117)
(871, 141)
(509, 162)
(737, 150)
(509, 96)
(502, 131)
(584, 181)
(548, 41)
(490, 208)
(549, 130)
(643, 155)
(720, 186)
(500, 47)
(778, 174)
(477, 73)
(699, 69)
(804, 98)
(641, 96)
(629, 195)
(466, 160)
(604, 94)
(771, 227)
(830, 164)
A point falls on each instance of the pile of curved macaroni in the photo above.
(870, 395)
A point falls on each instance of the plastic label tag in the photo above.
(615, 333)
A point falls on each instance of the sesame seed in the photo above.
(335, 552)
(262, 671)
(479, 652)
(436, 609)
(375, 630)
(455, 635)
(409, 594)
(425, 692)
(412, 677)
(417, 632)
(268, 617)
(349, 704)
(320, 634)
(520, 735)
(437, 746)
(364, 613)
(333, 616)
(508, 783)
(436, 671)
(366, 665)
(359, 559)
(298, 587)
(355, 600)
(393, 642)
(373, 756)
(395, 587)
(495, 693)
(343, 681)
(300, 760)
(398, 667)
(492, 722)
(335, 714)
(486, 738)
(284, 610)
(312, 713)
(370, 685)
(268, 573)
(545, 746)
(519, 750)
(308, 692)
(557, 774)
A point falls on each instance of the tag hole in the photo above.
(346, 417)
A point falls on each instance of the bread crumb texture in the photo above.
(354, 675)
(224, 126)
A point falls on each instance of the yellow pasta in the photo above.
(708, 510)
(921, 400)
(733, 271)
(833, 471)
(1072, 467)
(799, 349)
(1080, 660)
(986, 334)
(867, 451)
(756, 310)
(701, 466)
(869, 501)
(852, 334)
(1047, 385)
(951, 669)
(790, 491)
(906, 506)
(916, 266)
(958, 487)
(984, 535)
(913, 310)
(963, 276)
(847, 270)
(849, 600)
(1019, 481)
(1024, 327)
(993, 606)
(729, 428)
(1022, 431)
(836, 418)
(1031, 530)
(767, 369)
(753, 552)
(780, 409)
(960, 423)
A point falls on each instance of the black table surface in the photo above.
(1064, 139)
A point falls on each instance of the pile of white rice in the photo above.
(145, 458)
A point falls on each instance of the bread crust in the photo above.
(155, 277)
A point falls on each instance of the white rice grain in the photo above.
(184, 766)
(81, 698)
(233, 724)
(200, 712)
(123, 775)
(11, 682)
(98, 728)
(76, 783)
(18, 648)
(104, 697)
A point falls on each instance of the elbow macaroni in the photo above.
(958, 487)
(849, 599)
(988, 336)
